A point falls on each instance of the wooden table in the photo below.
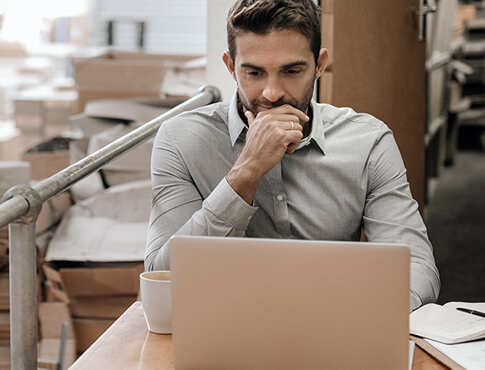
(128, 344)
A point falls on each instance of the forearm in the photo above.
(222, 213)
(425, 284)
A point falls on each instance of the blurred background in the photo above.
(76, 75)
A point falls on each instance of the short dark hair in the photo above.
(264, 16)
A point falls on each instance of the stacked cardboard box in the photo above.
(121, 74)
(11, 173)
(46, 159)
(4, 291)
(4, 335)
(4, 328)
(94, 259)
(96, 295)
(9, 141)
(3, 247)
(52, 317)
(4, 358)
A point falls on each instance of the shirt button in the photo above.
(280, 197)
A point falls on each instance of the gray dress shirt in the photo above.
(348, 174)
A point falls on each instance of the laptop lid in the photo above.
(244, 303)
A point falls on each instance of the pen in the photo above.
(473, 312)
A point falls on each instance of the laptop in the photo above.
(247, 303)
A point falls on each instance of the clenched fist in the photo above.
(271, 134)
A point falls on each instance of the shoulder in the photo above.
(200, 122)
(348, 120)
(343, 122)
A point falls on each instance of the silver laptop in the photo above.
(246, 303)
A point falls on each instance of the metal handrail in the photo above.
(20, 207)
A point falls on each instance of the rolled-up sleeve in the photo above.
(179, 209)
(391, 215)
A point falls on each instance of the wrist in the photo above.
(244, 181)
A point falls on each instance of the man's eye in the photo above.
(253, 73)
(293, 71)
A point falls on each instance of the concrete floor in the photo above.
(456, 226)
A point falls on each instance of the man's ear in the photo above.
(322, 61)
(227, 59)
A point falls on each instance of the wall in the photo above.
(172, 27)
(217, 73)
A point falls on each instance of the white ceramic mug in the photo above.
(156, 297)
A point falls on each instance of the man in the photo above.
(273, 163)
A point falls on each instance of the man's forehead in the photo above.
(276, 48)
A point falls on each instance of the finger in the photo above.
(294, 125)
(250, 116)
(289, 109)
(288, 118)
(291, 148)
(293, 137)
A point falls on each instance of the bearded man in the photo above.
(273, 163)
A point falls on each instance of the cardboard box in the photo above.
(87, 126)
(89, 185)
(327, 36)
(326, 84)
(4, 292)
(48, 157)
(96, 296)
(107, 307)
(4, 325)
(45, 160)
(133, 165)
(10, 141)
(88, 330)
(52, 211)
(123, 110)
(35, 109)
(51, 318)
(13, 173)
(117, 220)
(4, 357)
(117, 75)
(48, 354)
(79, 282)
(121, 74)
(12, 49)
(186, 79)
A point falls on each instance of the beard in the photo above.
(253, 105)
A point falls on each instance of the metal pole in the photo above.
(23, 296)
(20, 207)
(65, 178)
(23, 280)
(14, 207)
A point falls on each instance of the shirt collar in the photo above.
(317, 134)
(236, 125)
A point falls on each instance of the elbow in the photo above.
(149, 262)
(157, 260)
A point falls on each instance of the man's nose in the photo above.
(273, 91)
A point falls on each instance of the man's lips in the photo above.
(260, 107)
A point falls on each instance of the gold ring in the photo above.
(292, 125)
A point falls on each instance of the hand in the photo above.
(271, 134)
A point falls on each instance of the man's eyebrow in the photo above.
(300, 63)
(252, 66)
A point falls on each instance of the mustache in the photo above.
(269, 104)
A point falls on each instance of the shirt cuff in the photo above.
(229, 207)
(415, 301)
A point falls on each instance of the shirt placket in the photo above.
(280, 201)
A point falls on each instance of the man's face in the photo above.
(274, 69)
